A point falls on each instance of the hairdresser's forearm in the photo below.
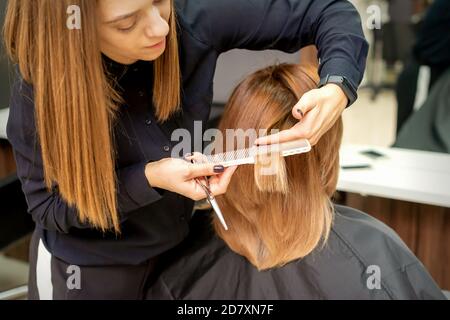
(134, 190)
(341, 42)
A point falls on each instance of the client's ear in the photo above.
(270, 173)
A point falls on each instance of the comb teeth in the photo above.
(247, 155)
(230, 155)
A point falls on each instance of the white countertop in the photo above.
(410, 175)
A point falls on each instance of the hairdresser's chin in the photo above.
(148, 51)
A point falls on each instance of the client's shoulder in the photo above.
(373, 242)
(194, 267)
(202, 248)
(379, 250)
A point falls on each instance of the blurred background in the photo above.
(395, 156)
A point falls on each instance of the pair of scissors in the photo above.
(211, 199)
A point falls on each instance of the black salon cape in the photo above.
(359, 246)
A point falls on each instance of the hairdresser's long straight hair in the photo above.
(276, 219)
(75, 105)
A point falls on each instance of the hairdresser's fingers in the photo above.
(198, 170)
(308, 129)
(321, 108)
(192, 190)
(312, 127)
(330, 95)
(200, 166)
(196, 156)
(307, 102)
(219, 184)
(280, 137)
(316, 123)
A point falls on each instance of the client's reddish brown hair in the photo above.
(272, 228)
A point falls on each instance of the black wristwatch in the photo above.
(344, 84)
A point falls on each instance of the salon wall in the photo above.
(234, 65)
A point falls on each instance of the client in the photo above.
(286, 239)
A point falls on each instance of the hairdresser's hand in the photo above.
(177, 175)
(317, 111)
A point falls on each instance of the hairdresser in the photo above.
(101, 87)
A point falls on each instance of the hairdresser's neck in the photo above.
(120, 59)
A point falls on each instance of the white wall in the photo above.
(233, 66)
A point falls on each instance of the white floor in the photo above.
(13, 273)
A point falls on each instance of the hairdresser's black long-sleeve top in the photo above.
(155, 220)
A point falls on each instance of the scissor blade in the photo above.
(218, 212)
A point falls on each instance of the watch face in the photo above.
(344, 84)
